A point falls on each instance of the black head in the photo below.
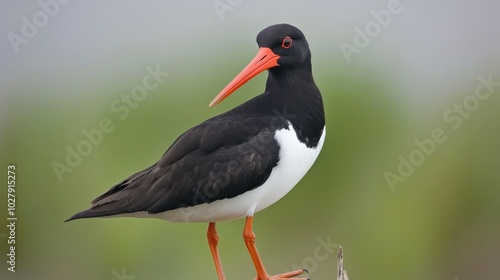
(288, 42)
(283, 50)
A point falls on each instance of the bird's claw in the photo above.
(286, 276)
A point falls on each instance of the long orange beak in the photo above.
(264, 60)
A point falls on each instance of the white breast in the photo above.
(295, 160)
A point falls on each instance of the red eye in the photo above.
(287, 42)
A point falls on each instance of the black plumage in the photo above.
(234, 152)
(240, 162)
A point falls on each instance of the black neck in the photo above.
(283, 79)
(291, 96)
(296, 97)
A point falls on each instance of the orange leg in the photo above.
(213, 240)
(249, 237)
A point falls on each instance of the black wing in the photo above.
(220, 158)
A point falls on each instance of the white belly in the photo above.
(295, 160)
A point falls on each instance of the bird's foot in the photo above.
(286, 276)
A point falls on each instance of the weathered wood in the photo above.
(341, 273)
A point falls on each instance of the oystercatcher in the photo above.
(237, 163)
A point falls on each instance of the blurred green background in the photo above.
(442, 222)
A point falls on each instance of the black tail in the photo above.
(117, 200)
(89, 213)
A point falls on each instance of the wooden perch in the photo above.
(341, 273)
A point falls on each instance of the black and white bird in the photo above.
(237, 163)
